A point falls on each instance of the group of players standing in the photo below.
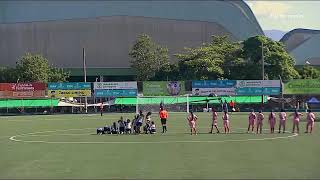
(192, 120)
(257, 120)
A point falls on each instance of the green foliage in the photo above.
(219, 59)
(170, 72)
(210, 61)
(8, 74)
(201, 63)
(234, 63)
(308, 72)
(58, 75)
(277, 60)
(33, 68)
(223, 59)
(148, 57)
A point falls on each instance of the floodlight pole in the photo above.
(94, 99)
(262, 59)
(85, 77)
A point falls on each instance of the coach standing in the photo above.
(163, 116)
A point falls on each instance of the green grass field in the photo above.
(64, 146)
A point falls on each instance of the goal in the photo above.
(170, 103)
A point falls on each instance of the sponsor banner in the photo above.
(116, 92)
(214, 84)
(258, 91)
(28, 94)
(213, 91)
(6, 94)
(115, 85)
(69, 93)
(69, 86)
(22, 86)
(258, 83)
(22, 94)
(163, 88)
(302, 86)
(3, 94)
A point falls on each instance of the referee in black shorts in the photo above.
(163, 116)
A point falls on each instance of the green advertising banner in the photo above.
(302, 86)
(163, 88)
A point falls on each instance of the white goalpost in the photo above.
(188, 107)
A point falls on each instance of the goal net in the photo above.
(186, 103)
(170, 103)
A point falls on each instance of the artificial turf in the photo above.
(65, 146)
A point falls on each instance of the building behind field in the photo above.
(107, 29)
(303, 45)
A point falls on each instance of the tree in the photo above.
(201, 63)
(218, 59)
(308, 72)
(148, 57)
(8, 74)
(224, 59)
(277, 60)
(58, 75)
(170, 72)
(35, 68)
(234, 65)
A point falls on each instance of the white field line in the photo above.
(13, 138)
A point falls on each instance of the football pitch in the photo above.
(65, 146)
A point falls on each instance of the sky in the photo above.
(286, 15)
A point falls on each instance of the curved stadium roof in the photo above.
(59, 29)
(235, 16)
(303, 45)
